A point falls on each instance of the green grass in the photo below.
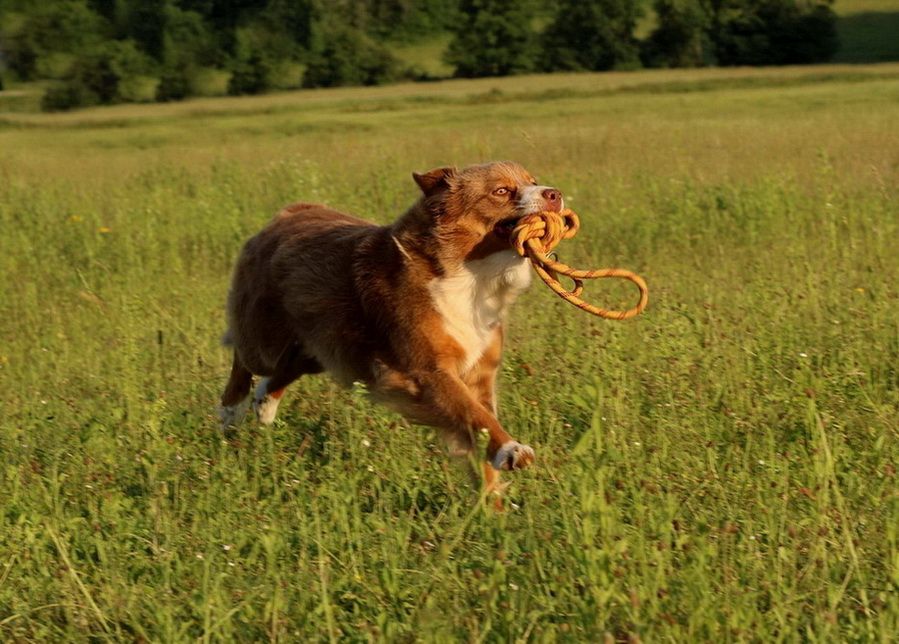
(722, 468)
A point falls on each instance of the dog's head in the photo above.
(475, 209)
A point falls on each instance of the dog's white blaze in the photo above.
(530, 199)
(474, 299)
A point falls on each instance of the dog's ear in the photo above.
(435, 180)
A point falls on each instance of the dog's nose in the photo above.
(553, 199)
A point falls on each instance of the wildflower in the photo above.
(104, 230)
(803, 354)
(226, 547)
(76, 219)
(366, 442)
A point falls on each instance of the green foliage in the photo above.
(773, 32)
(408, 20)
(592, 35)
(346, 56)
(348, 42)
(493, 38)
(174, 84)
(147, 21)
(681, 37)
(251, 75)
(46, 28)
(188, 41)
(96, 76)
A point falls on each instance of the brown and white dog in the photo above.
(414, 310)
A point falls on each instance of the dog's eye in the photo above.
(501, 191)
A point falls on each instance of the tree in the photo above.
(55, 27)
(347, 56)
(681, 37)
(592, 35)
(494, 38)
(773, 32)
(146, 24)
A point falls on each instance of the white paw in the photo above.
(231, 416)
(266, 409)
(512, 455)
(264, 404)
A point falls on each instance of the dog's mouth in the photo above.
(503, 229)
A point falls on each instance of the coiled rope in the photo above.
(537, 234)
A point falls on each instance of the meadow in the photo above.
(721, 468)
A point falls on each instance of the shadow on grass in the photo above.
(871, 37)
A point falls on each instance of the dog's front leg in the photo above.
(452, 401)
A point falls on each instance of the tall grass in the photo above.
(721, 468)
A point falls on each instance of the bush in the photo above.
(138, 89)
(95, 77)
(349, 57)
(174, 85)
(207, 81)
(251, 75)
(66, 96)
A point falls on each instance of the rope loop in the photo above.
(535, 235)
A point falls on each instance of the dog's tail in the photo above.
(228, 339)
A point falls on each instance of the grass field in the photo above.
(722, 468)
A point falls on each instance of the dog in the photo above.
(413, 310)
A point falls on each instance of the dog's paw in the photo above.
(265, 404)
(512, 455)
(231, 416)
(266, 408)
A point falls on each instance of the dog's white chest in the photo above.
(474, 299)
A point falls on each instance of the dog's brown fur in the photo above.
(320, 290)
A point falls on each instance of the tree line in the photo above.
(108, 51)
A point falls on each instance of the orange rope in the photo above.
(537, 234)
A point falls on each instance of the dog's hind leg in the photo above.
(292, 364)
(235, 398)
